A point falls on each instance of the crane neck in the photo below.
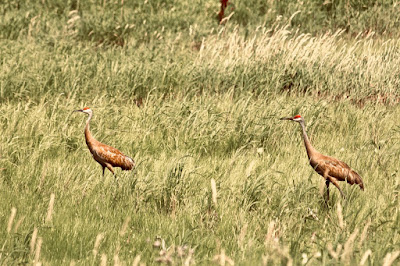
(88, 136)
(309, 148)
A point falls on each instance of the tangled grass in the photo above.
(219, 178)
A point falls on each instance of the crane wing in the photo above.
(342, 172)
(114, 157)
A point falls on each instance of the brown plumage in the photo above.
(330, 168)
(105, 155)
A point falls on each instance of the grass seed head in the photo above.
(97, 242)
(11, 219)
(103, 260)
(50, 209)
(33, 239)
(124, 226)
(136, 261)
(38, 249)
(365, 257)
(214, 191)
(19, 222)
(390, 258)
(364, 233)
(348, 246)
(340, 215)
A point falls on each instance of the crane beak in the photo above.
(286, 118)
(78, 110)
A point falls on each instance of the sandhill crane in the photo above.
(330, 168)
(105, 155)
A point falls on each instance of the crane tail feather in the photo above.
(128, 164)
(356, 179)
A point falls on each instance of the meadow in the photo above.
(219, 179)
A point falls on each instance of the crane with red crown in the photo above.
(330, 168)
(105, 155)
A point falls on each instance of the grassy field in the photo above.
(219, 178)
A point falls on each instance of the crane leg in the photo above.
(109, 167)
(103, 169)
(337, 185)
(327, 182)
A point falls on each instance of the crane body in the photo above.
(107, 156)
(330, 168)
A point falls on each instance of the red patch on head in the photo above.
(297, 116)
(86, 108)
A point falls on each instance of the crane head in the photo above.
(296, 118)
(85, 110)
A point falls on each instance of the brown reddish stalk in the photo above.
(224, 4)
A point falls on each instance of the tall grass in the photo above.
(258, 164)
(219, 178)
(277, 60)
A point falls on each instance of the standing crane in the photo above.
(330, 168)
(105, 155)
